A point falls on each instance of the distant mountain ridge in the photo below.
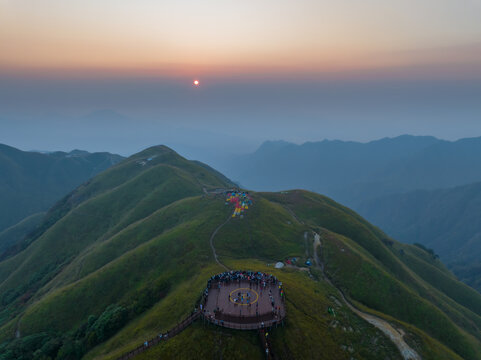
(352, 172)
(31, 182)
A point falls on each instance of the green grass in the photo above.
(129, 238)
(137, 237)
(15, 234)
(169, 258)
(207, 342)
(160, 318)
(308, 332)
(380, 274)
(367, 283)
(267, 232)
(98, 210)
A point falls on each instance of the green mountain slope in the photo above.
(127, 255)
(11, 236)
(445, 220)
(32, 182)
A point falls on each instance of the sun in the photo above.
(196, 83)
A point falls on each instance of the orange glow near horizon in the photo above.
(264, 38)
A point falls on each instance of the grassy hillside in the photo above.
(127, 255)
(13, 236)
(444, 220)
(32, 182)
(98, 209)
(386, 290)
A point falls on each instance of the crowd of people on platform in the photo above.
(254, 277)
(248, 282)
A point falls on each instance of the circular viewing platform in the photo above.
(244, 300)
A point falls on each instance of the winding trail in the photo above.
(212, 243)
(187, 321)
(194, 315)
(289, 210)
(396, 336)
(317, 243)
(266, 346)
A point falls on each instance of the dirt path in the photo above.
(212, 243)
(305, 244)
(317, 243)
(17, 327)
(293, 214)
(396, 337)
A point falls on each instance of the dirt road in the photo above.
(396, 337)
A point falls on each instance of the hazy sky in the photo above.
(215, 36)
(297, 70)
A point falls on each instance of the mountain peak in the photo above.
(273, 145)
(156, 150)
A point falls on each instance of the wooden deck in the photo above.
(241, 305)
(244, 305)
